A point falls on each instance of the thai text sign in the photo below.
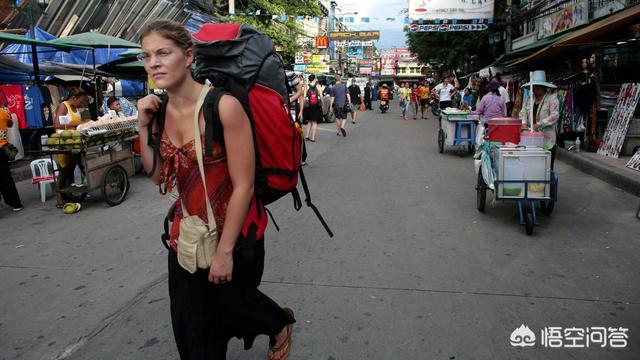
(314, 69)
(573, 15)
(354, 35)
(450, 9)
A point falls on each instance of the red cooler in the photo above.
(504, 130)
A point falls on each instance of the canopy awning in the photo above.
(585, 35)
(17, 39)
(95, 40)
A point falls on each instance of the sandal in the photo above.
(285, 347)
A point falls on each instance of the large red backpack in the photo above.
(241, 61)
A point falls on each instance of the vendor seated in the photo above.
(67, 162)
(114, 104)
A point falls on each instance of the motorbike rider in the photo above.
(383, 95)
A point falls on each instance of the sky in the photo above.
(391, 34)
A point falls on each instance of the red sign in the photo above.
(322, 42)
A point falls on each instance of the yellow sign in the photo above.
(319, 59)
(355, 35)
(314, 69)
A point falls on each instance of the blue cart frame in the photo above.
(458, 139)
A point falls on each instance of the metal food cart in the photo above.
(519, 174)
(457, 128)
(106, 160)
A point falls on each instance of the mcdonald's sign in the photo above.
(322, 42)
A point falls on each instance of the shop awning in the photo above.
(585, 35)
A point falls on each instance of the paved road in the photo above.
(414, 272)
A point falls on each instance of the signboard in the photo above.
(319, 59)
(354, 35)
(448, 27)
(322, 42)
(314, 69)
(299, 67)
(355, 52)
(299, 58)
(365, 69)
(307, 57)
(353, 43)
(365, 62)
(388, 64)
(450, 9)
(573, 15)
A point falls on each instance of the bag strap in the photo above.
(198, 146)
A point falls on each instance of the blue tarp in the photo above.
(22, 52)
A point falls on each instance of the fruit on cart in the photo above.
(69, 143)
(77, 135)
(55, 135)
(66, 134)
(536, 188)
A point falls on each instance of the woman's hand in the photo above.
(147, 106)
(221, 267)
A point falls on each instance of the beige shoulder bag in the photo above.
(198, 240)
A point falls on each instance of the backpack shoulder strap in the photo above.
(155, 138)
(213, 126)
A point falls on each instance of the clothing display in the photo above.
(15, 102)
(33, 103)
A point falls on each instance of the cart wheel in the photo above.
(481, 189)
(76, 197)
(441, 140)
(115, 185)
(528, 223)
(547, 209)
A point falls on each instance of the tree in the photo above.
(284, 34)
(466, 51)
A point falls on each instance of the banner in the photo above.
(299, 58)
(573, 15)
(356, 52)
(387, 64)
(353, 43)
(319, 59)
(354, 35)
(450, 9)
(448, 27)
(322, 42)
(366, 70)
(314, 69)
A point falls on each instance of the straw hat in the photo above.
(539, 77)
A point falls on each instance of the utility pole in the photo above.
(507, 43)
(232, 7)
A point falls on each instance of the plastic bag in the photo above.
(14, 138)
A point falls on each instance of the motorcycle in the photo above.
(384, 106)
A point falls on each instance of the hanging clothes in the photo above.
(15, 102)
(33, 102)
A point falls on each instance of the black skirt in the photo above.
(206, 316)
(313, 113)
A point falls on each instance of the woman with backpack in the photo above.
(312, 107)
(211, 305)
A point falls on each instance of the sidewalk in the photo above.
(609, 170)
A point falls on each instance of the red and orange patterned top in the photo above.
(180, 169)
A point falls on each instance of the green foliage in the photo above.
(283, 33)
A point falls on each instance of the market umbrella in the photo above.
(126, 68)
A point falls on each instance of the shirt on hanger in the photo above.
(15, 103)
(33, 101)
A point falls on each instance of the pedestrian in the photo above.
(340, 100)
(424, 98)
(7, 185)
(404, 94)
(503, 91)
(445, 92)
(415, 100)
(546, 111)
(296, 90)
(312, 107)
(367, 96)
(356, 99)
(210, 306)
(491, 105)
(114, 104)
(468, 100)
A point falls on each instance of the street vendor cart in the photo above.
(515, 172)
(106, 158)
(457, 128)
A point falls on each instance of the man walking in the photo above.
(339, 100)
(367, 96)
(356, 100)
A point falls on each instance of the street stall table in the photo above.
(106, 158)
(457, 128)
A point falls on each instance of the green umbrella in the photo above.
(95, 40)
(130, 53)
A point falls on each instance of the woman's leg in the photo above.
(7, 185)
(313, 128)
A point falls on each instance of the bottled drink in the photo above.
(77, 176)
(577, 144)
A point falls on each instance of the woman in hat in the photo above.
(546, 111)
